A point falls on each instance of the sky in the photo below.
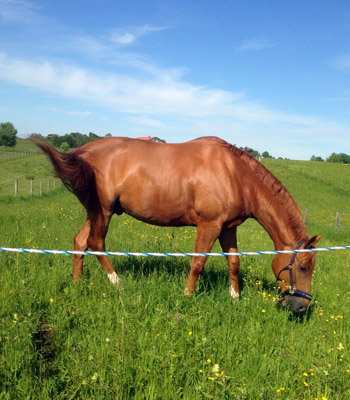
(267, 74)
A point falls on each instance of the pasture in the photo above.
(146, 340)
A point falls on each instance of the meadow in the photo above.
(145, 339)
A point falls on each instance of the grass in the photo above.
(145, 340)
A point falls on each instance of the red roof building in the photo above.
(151, 139)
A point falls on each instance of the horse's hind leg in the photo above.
(205, 239)
(96, 241)
(80, 244)
(228, 242)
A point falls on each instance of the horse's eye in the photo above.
(303, 269)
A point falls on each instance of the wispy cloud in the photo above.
(70, 112)
(147, 121)
(119, 92)
(20, 11)
(131, 35)
(255, 44)
(155, 99)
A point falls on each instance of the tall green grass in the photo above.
(145, 340)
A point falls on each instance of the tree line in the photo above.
(334, 158)
(8, 138)
(71, 140)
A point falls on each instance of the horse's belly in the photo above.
(158, 208)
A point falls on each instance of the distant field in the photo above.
(145, 340)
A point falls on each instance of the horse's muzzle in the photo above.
(295, 304)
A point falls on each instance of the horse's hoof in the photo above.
(233, 293)
(113, 278)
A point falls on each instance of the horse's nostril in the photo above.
(301, 309)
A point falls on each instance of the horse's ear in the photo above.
(312, 241)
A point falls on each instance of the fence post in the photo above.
(41, 188)
(54, 183)
(337, 217)
(31, 187)
(16, 187)
(305, 215)
(341, 183)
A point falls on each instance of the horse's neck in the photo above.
(281, 218)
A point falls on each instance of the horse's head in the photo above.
(294, 275)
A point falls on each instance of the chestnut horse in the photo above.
(205, 182)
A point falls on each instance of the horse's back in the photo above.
(163, 183)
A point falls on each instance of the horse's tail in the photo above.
(75, 172)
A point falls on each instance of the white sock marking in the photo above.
(113, 278)
(233, 293)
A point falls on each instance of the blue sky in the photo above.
(271, 75)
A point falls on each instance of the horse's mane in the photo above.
(275, 187)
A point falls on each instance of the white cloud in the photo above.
(117, 91)
(177, 107)
(146, 96)
(254, 44)
(147, 121)
(70, 112)
(131, 35)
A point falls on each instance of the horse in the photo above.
(206, 182)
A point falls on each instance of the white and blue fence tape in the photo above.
(147, 254)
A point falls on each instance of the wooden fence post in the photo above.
(337, 218)
(305, 215)
(31, 187)
(16, 187)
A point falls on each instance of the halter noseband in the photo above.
(292, 291)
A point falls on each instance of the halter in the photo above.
(292, 291)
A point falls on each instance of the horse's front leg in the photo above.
(228, 242)
(205, 239)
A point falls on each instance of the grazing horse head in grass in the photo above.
(206, 183)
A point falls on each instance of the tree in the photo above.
(333, 158)
(255, 154)
(344, 158)
(64, 147)
(8, 134)
(266, 154)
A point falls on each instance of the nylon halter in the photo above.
(292, 291)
